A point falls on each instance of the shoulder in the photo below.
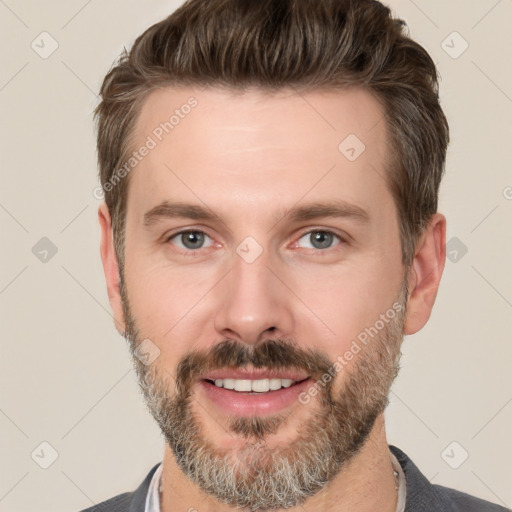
(466, 503)
(119, 503)
(128, 501)
(422, 496)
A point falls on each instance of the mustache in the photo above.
(272, 354)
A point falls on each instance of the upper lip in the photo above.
(254, 374)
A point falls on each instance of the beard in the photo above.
(257, 477)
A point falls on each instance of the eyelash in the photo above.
(191, 252)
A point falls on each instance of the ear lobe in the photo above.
(110, 267)
(425, 274)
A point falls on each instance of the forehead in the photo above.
(222, 147)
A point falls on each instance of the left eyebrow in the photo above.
(317, 210)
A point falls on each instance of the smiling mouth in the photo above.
(254, 393)
(254, 386)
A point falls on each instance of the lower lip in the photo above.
(251, 404)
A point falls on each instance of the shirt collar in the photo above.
(153, 496)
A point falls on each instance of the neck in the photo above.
(365, 484)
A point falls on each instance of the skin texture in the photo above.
(248, 158)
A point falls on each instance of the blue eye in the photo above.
(190, 240)
(319, 239)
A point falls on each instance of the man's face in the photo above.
(279, 255)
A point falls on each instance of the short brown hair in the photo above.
(274, 44)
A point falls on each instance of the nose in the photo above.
(253, 304)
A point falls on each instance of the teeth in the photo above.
(257, 386)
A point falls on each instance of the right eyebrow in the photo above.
(166, 210)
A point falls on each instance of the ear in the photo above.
(110, 267)
(425, 274)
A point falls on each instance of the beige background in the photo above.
(65, 374)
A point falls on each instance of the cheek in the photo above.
(167, 305)
(163, 298)
(340, 302)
